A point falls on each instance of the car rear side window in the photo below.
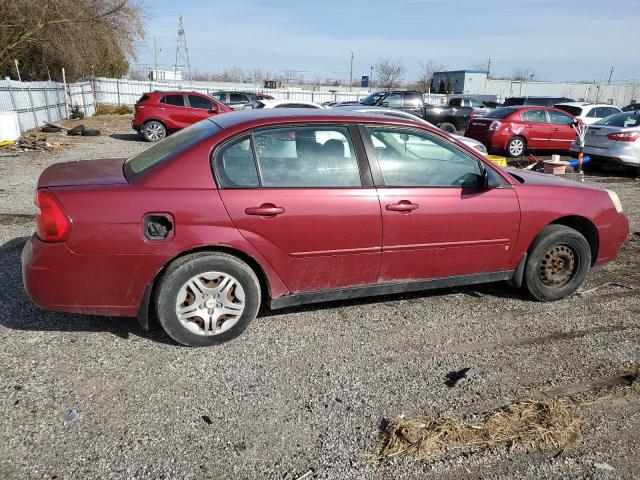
(559, 118)
(418, 159)
(235, 165)
(196, 101)
(175, 100)
(293, 157)
(169, 147)
(535, 116)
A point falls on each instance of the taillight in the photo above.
(52, 222)
(623, 136)
(495, 125)
(471, 116)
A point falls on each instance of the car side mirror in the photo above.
(213, 109)
(490, 179)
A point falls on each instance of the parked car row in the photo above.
(521, 125)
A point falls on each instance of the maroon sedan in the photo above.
(516, 130)
(285, 207)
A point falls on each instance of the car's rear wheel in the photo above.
(516, 147)
(557, 264)
(154, 131)
(448, 127)
(207, 298)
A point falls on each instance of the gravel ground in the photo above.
(305, 388)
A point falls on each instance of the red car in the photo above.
(285, 207)
(516, 130)
(160, 113)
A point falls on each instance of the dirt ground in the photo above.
(308, 389)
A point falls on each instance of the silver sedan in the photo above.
(614, 139)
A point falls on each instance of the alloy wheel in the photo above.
(516, 147)
(154, 131)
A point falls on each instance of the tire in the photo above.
(207, 273)
(76, 130)
(448, 127)
(90, 133)
(558, 262)
(516, 147)
(49, 129)
(154, 131)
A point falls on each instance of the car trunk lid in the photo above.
(84, 172)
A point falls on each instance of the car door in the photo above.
(301, 196)
(200, 107)
(437, 219)
(536, 129)
(238, 101)
(176, 111)
(562, 132)
(414, 104)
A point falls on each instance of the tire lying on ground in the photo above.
(76, 130)
(50, 129)
(90, 132)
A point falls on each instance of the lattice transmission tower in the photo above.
(182, 52)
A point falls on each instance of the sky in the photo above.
(561, 40)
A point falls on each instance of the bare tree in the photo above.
(522, 74)
(389, 73)
(424, 82)
(84, 36)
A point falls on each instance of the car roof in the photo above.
(585, 104)
(253, 117)
(175, 92)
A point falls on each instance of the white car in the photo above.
(586, 112)
(288, 104)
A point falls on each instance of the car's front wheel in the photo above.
(557, 264)
(516, 147)
(154, 131)
(207, 298)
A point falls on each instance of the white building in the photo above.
(173, 74)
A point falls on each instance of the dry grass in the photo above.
(103, 109)
(527, 424)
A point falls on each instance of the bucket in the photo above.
(555, 168)
(9, 126)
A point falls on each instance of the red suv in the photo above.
(159, 113)
(516, 130)
(284, 207)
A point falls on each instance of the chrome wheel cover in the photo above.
(210, 303)
(154, 131)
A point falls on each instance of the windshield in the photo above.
(575, 111)
(168, 147)
(499, 113)
(373, 98)
(623, 120)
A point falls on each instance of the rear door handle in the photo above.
(265, 210)
(555, 129)
(403, 206)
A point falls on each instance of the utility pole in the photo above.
(610, 73)
(488, 67)
(371, 78)
(351, 73)
(155, 60)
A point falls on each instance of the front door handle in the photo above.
(403, 206)
(556, 129)
(265, 210)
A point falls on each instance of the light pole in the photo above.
(351, 73)
(371, 78)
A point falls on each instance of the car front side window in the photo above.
(408, 158)
(558, 118)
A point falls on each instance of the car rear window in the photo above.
(575, 111)
(624, 120)
(500, 113)
(143, 98)
(168, 147)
